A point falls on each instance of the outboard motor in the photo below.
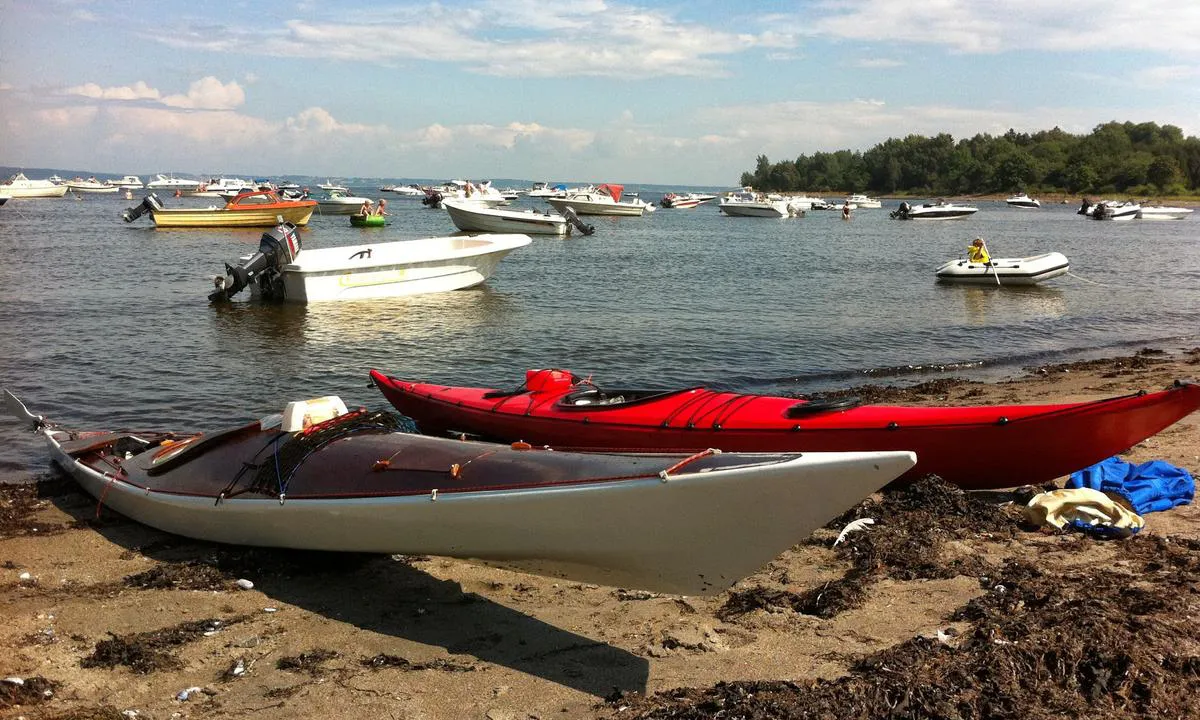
(569, 214)
(148, 204)
(277, 247)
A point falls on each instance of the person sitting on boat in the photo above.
(381, 209)
(365, 208)
(977, 252)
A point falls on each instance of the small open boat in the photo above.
(1005, 271)
(255, 208)
(282, 270)
(358, 220)
(992, 446)
(318, 477)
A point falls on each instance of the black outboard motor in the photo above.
(149, 203)
(277, 247)
(569, 214)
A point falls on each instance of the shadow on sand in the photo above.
(383, 594)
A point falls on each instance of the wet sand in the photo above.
(114, 616)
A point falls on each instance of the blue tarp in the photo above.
(1149, 487)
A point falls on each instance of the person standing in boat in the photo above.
(977, 252)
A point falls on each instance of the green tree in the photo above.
(1163, 171)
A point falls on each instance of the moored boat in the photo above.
(936, 210)
(318, 477)
(1162, 212)
(19, 186)
(1005, 271)
(973, 446)
(858, 200)
(340, 203)
(1021, 200)
(685, 201)
(1120, 210)
(92, 186)
(604, 200)
(257, 208)
(129, 182)
(747, 203)
(172, 183)
(470, 216)
(282, 270)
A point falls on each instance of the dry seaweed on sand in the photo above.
(905, 543)
(30, 691)
(1111, 641)
(147, 652)
(383, 660)
(310, 662)
(190, 575)
(19, 503)
(102, 712)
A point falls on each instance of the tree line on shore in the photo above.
(1126, 158)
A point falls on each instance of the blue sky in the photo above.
(685, 93)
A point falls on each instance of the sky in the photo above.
(686, 92)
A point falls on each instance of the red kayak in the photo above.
(975, 447)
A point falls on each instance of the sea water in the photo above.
(105, 324)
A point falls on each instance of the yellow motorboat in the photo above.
(256, 208)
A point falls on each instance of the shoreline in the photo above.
(439, 638)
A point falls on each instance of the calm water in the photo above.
(107, 324)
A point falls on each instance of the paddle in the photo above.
(18, 410)
(989, 263)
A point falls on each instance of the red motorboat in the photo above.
(975, 447)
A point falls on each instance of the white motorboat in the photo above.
(1021, 200)
(750, 204)
(91, 185)
(331, 186)
(1162, 212)
(19, 186)
(470, 216)
(222, 187)
(172, 183)
(604, 200)
(409, 191)
(129, 182)
(1121, 211)
(4, 198)
(684, 201)
(281, 270)
(858, 200)
(339, 203)
(353, 482)
(1005, 271)
(936, 210)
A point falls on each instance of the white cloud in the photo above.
(874, 63)
(137, 91)
(517, 39)
(988, 26)
(1167, 75)
(209, 93)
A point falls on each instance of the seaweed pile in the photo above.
(1120, 641)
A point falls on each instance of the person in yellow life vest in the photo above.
(977, 252)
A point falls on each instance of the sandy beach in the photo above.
(950, 606)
